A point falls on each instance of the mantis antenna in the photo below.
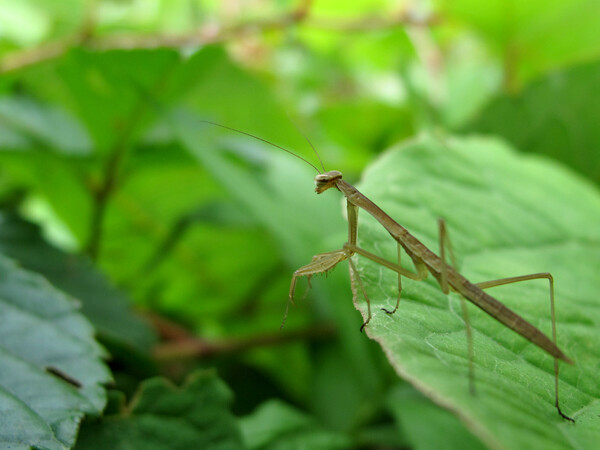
(309, 142)
(273, 144)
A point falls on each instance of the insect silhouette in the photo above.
(425, 261)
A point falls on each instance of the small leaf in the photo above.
(164, 416)
(277, 425)
(42, 335)
(506, 215)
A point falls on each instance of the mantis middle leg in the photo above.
(445, 243)
(352, 248)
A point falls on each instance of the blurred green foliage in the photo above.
(179, 238)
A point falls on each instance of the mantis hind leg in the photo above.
(445, 243)
(536, 276)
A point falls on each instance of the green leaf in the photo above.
(507, 215)
(106, 307)
(26, 124)
(52, 373)
(276, 425)
(164, 416)
(533, 36)
(108, 90)
(53, 184)
(174, 243)
(417, 416)
(560, 114)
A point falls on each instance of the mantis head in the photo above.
(326, 180)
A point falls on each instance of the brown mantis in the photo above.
(425, 262)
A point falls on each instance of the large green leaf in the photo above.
(164, 416)
(52, 373)
(507, 215)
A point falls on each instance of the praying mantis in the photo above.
(426, 262)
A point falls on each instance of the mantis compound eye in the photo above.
(326, 180)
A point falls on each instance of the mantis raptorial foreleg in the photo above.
(324, 262)
(321, 263)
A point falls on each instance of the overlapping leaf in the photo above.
(163, 416)
(104, 305)
(52, 372)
